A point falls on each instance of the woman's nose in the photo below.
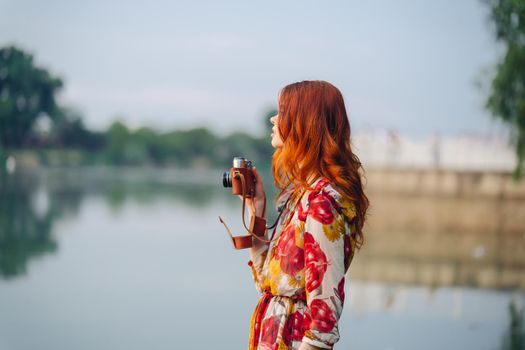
(272, 119)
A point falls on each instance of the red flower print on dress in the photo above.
(321, 184)
(293, 328)
(301, 213)
(341, 289)
(270, 330)
(316, 263)
(323, 318)
(258, 317)
(290, 255)
(293, 262)
(320, 205)
(307, 320)
(286, 241)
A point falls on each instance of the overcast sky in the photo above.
(408, 65)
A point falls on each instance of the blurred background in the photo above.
(118, 118)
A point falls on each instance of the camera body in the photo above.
(232, 178)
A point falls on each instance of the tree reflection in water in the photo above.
(24, 233)
(26, 224)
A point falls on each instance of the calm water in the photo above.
(128, 259)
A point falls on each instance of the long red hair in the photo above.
(315, 130)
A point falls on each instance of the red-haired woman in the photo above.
(301, 273)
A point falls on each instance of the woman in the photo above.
(301, 272)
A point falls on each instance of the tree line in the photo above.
(31, 118)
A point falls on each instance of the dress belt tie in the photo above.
(302, 296)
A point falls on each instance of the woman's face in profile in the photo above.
(277, 141)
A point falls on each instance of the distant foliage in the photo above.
(68, 131)
(26, 91)
(31, 118)
(507, 95)
(183, 148)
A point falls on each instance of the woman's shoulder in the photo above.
(322, 189)
(324, 185)
(326, 194)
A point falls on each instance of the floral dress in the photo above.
(301, 273)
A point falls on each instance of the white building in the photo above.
(463, 152)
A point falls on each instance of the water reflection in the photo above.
(127, 243)
(30, 203)
(415, 239)
(443, 241)
(27, 216)
(194, 195)
(514, 337)
(24, 233)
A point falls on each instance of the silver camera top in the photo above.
(241, 162)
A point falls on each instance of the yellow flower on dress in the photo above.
(299, 229)
(336, 229)
(348, 208)
(282, 346)
(274, 275)
(297, 280)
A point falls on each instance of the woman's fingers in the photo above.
(259, 185)
(256, 203)
(256, 173)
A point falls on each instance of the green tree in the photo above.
(148, 139)
(69, 131)
(187, 146)
(507, 92)
(26, 91)
(118, 137)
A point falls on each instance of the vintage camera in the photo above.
(232, 178)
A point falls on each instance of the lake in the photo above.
(102, 258)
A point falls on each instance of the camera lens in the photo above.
(226, 179)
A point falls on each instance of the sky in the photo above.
(410, 66)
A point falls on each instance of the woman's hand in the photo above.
(256, 204)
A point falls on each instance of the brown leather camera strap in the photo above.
(257, 227)
(239, 242)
